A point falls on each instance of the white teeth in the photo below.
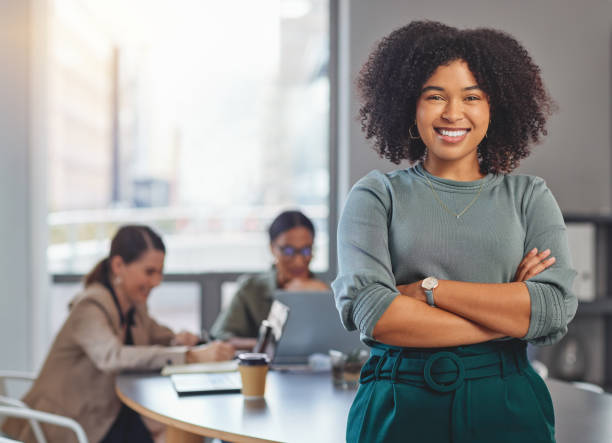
(452, 133)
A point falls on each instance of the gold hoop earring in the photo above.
(410, 133)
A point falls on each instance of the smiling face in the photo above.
(293, 251)
(452, 117)
(137, 278)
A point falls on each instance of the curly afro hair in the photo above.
(390, 84)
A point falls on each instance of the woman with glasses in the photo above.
(291, 239)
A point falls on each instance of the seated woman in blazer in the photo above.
(109, 330)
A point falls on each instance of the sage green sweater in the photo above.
(394, 231)
(249, 307)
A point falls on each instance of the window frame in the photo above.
(210, 283)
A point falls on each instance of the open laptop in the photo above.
(303, 323)
(312, 326)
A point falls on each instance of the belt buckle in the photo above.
(439, 386)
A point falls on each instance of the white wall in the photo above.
(571, 42)
(22, 180)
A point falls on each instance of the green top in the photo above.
(249, 307)
(394, 231)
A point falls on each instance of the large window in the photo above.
(201, 118)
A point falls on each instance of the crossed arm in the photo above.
(465, 313)
(378, 224)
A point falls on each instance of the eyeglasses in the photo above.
(290, 251)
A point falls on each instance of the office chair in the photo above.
(542, 371)
(588, 386)
(540, 368)
(14, 375)
(5, 400)
(36, 429)
(14, 404)
(45, 417)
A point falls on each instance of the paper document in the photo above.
(195, 368)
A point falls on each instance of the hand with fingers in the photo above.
(213, 351)
(533, 263)
(185, 338)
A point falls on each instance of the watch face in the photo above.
(430, 283)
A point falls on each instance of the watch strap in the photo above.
(430, 297)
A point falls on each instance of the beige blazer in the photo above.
(77, 379)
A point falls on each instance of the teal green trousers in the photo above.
(483, 393)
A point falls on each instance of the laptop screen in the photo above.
(271, 330)
(312, 326)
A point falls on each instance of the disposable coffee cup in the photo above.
(253, 369)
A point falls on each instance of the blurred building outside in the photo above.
(202, 119)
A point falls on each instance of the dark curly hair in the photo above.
(390, 84)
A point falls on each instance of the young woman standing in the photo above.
(447, 268)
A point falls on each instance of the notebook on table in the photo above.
(198, 368)
(207, 383)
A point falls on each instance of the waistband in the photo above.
(444, 370)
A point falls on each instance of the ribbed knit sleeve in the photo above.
(365, 285)
(553, 305)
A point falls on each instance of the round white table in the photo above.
(305, 407)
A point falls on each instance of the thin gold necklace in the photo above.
(446, 208)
